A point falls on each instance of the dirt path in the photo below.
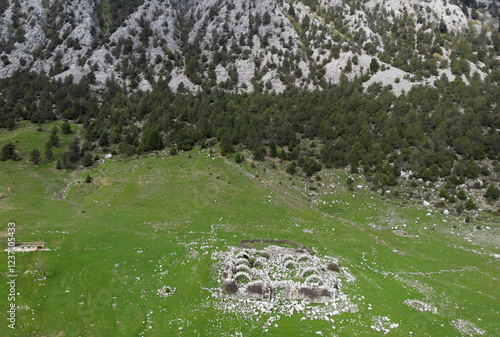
(84, 272)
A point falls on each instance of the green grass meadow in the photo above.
(145, 223)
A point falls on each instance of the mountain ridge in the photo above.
(250, 45)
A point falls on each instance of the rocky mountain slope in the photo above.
(250, 45)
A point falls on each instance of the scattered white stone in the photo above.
(467, 328)
(421, 306)
(383, 324)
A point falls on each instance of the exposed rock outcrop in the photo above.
(245, 45)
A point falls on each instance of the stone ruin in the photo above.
(279, 273)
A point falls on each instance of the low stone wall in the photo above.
(300, 246)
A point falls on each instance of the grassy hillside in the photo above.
(146, 223)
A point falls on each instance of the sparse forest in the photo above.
(450, 131)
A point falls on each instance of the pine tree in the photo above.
(443, 193)
(492, 193)
(87, 160)
(155, 141)
(470, 204)
(226, 146)
(391, 179)
(272, 150)
(53, 139)
(461, 195)
(442, 27)
(292, 168)
(472, 169)
(374, 66)
(239, 158)
(103, 139)
(8, 151)
(48, 153)
(65, 160)
(259, 153)
(283, 155)
(65, 128)
(348, 66)
(354, 168)
(73, 151)
(35, 156)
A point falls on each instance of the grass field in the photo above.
(146, 223)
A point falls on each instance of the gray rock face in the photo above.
(268, 43)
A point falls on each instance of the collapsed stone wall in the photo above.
(301, 246)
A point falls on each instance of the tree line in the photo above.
(444, 131)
